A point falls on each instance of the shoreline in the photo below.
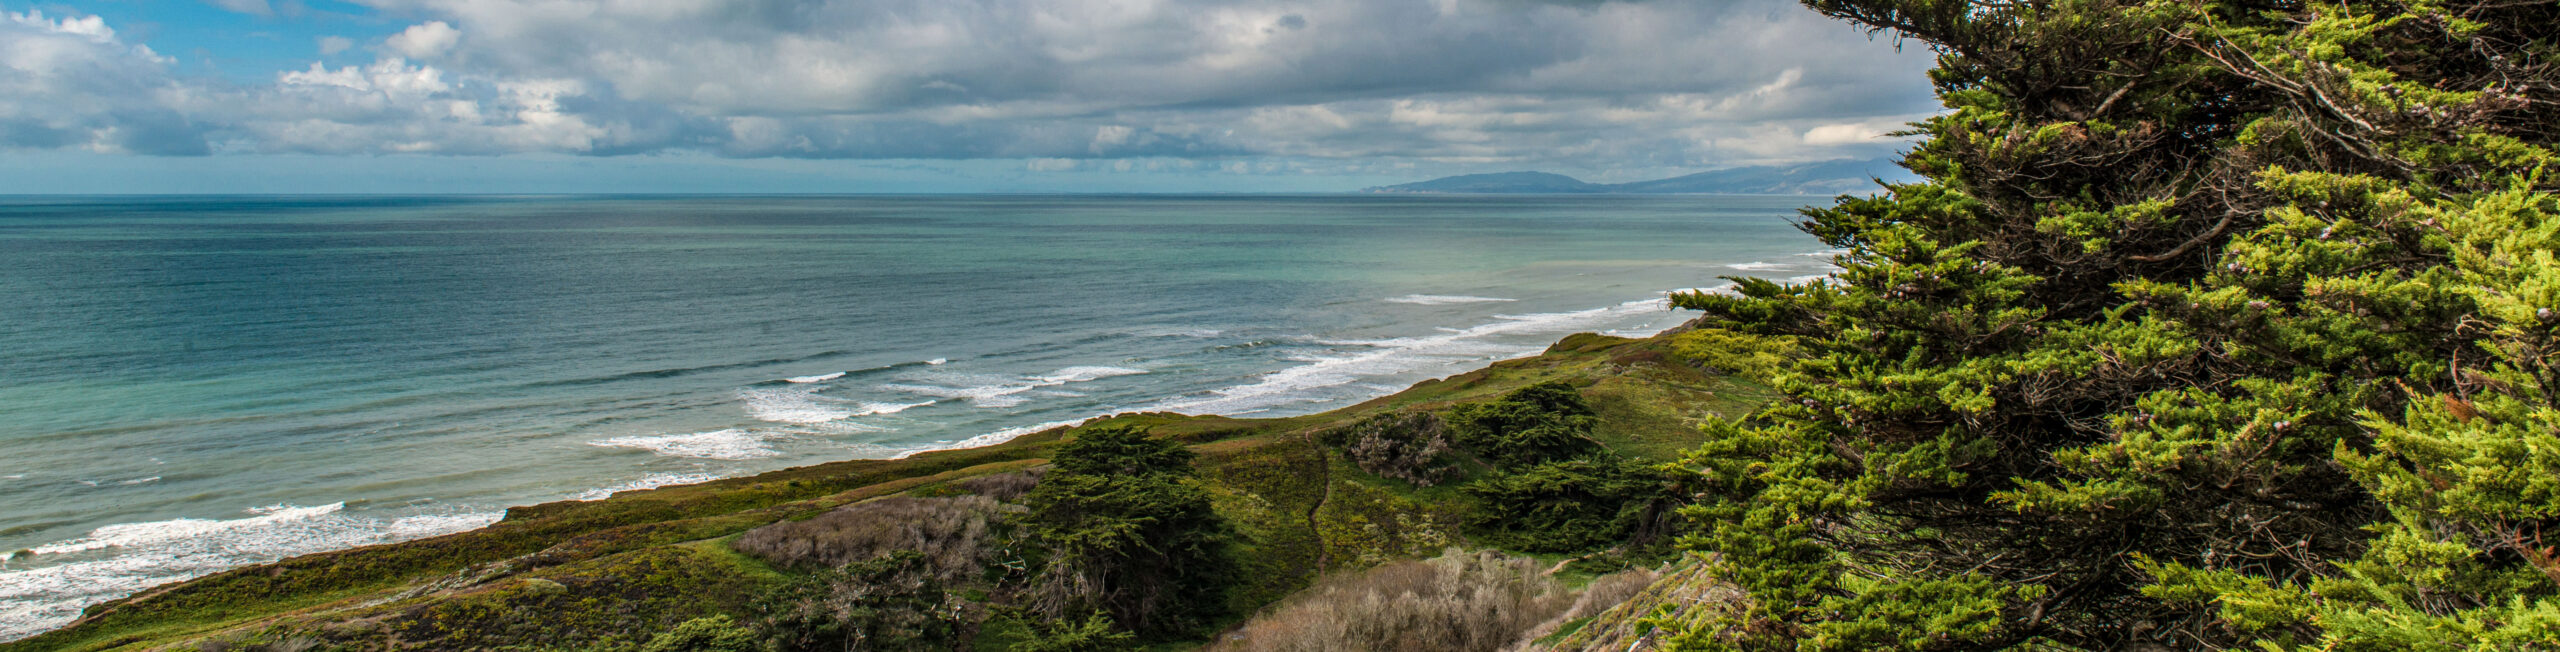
(342, 529)
(571, 537)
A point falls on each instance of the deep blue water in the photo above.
(191, 384)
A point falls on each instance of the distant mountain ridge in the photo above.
(1822, 178)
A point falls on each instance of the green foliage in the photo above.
(1122, 530)
(1542, 422)
(1093, 633)
(1757, 357)
(1556, 489)
(1123, 451)
(712, 634)
(893, 602)
(1568, 505)
(2216, 325)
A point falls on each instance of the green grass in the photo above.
(648, 559)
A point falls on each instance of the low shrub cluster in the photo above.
(1457, 602)
(1546, 421)
(1568, 505)
(1555, 489)
(1093, 633)
(1409, 446)
(894, 602)
(957, 535)
(708, 634)
(1007, 487)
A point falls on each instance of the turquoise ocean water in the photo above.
(192, 384)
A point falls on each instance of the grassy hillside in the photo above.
(610, 574)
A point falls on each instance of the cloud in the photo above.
(1866, 131)
(1590, 85)
(70, 83)
(330, 45)
(424, 40)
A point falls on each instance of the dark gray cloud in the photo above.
(1593, 85)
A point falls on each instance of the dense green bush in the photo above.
(1555, 489)
(1092, 633)
(711, 634)
(2216, 324)
(1568, 505)
(1539, 423)
(1122, 529)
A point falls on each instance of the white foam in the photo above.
(1443, 299)
(814, 379)
(991, 391)
(1504, 338)
(728, 444)
(651, 482)
(1757, 266)
(117, 560)
(988, 396)
(1081, 374)
(993, 438)
(793, 405)
(869, 409)
(937, 361)
(136, 481)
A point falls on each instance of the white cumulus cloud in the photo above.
(424, 40)
(1521, 83)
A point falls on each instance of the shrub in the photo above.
(889, 603)
(1092, 633)
(1007, 487)
(1120, 451)
(712, 634)
(1457, 602)
(1568, 505)
(956, 534)
(1539, 423)
(1122, 530)
(1408, 446)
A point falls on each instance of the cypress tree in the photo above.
(2213, 324)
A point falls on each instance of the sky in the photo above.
(781, 96)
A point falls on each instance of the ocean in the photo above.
(190, 384)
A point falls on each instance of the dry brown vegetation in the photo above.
(953, 533)
(1457, 602)
(1007, 487)
(1408, 446)
(1605, 592)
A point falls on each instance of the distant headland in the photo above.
(1822, 178)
